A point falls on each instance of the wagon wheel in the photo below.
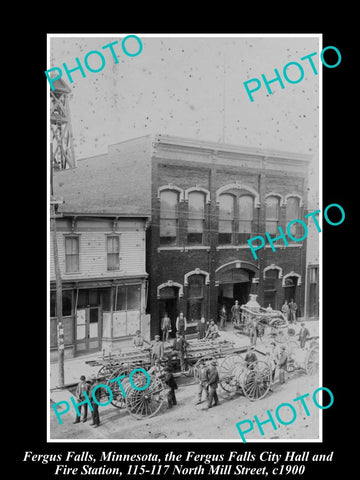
(107, 370)
(230, 369)
(196, 367)
(145, 403)
(312, 361)
(118, 397)
(256, 381)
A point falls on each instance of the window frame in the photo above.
(176, 218)
(202, 220)
(67, 255)
(110, 255)
(237, 237)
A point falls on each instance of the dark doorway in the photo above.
(235, 284)
(241, 292)
(168, 303)
(290, 289)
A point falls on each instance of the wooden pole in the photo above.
(60, 327)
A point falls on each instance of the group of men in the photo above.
(289, 309)
(87, 387)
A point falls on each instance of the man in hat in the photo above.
(95, 394)
(82, 387)
(283, 359)
(212, 384)
(157, 350)
(139, 339)
(203, 378)
(179, 347)
(250, 356)
(303, 334)
(171, 383)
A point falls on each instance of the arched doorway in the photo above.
(234, 283)
(168, 301)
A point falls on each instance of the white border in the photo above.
(234, 440)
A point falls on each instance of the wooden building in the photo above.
(102, 258)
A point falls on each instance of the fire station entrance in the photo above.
(234, 284)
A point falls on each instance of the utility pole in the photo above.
(60, 328)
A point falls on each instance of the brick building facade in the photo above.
(205, 200)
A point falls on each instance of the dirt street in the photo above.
(189, 422)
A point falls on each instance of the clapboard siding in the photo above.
(93, 253)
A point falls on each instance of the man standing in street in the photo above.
(170, 381)
(95, 394)
(179, 347)
(166, 327)
(223, 317)
(293, 307)
(286, 310)
(283, 359)
(203, 377)
(82, 387)
(212, 384)
(303, 334)
(252, 331)
(181, 324)
(236, 313)
(157, 350)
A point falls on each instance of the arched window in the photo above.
(293, 213)
(246, 213)
(169, 217)
(272, 214)
(226, 218)
(196, 217)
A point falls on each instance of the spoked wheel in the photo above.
(230, 369)
(312, 361)
(196, 367)
(256, 380)
(145, 403)
(107, 370)
(118, 398)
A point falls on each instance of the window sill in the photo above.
(174, 248)
(233, 247)
(282, 245)
(196, 247)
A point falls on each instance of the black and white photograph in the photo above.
(185, 219)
